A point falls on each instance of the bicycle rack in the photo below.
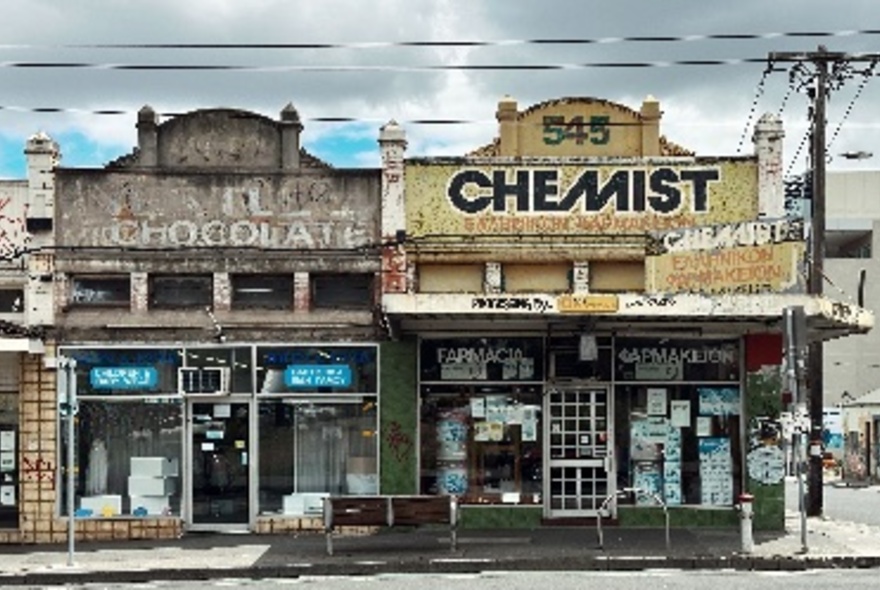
(624, 492)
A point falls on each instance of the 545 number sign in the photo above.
(595, 130)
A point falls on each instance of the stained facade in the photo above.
(579, 318)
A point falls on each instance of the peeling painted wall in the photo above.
(304, 211)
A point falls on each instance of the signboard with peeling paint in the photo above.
(744, 258)
(460, 198)
(295, 212)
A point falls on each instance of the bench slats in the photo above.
(389, 511)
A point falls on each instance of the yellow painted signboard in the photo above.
(746, 258)
(587, 303)
(459, 199)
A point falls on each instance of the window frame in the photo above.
(273, 284)
(116, 303)
(344, 302)
(156, 280)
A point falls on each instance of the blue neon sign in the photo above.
(123, 377)
(307, 376)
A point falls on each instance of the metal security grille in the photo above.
(579, 441)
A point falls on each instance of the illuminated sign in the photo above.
(307, 376)
(123, 377)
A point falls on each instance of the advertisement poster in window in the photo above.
(716, 472)
(656, 401)
(719, 401)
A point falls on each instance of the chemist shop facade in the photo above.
(223, 438)
(597, 315)
(503, 422)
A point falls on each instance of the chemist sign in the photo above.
(311, 376)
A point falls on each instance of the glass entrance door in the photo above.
(579, 450)
(220, 464)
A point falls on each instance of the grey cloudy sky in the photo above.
(706, 108)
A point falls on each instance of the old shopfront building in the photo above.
(592, 309)
(216, 290)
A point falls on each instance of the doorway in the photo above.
(579, 451)
(219, 457)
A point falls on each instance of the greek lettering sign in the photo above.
(121, 378)
(643, 359)
(750, 257)
(309, 376)
(569, 199)
(482, 359)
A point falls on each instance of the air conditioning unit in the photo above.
(203, 380)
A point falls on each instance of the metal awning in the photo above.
(733, 314)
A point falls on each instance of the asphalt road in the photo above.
(851, 504)
(658, 580)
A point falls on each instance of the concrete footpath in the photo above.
(830, 544)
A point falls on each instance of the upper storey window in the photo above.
(181, 291)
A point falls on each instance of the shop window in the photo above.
(482, 443)
(312, 448)
(342, 291)
(181, 291)
(126, 371)
(100, 291)
(11, 300)
(848, 244)
(254, 291)
(128, 458)
(317, 370)
(9, 475)
(681, 442)
(218, 369)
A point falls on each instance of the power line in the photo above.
(38, 65)
(462, 43)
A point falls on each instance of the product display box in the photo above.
(150, 486)
(154, 467)
(106, 505)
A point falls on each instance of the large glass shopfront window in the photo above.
(316, 421)
(318, 425)
(677, 420)
(129, 435)
(481, 434)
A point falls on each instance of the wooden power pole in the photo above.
(818, 90)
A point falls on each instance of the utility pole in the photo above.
(821, 80)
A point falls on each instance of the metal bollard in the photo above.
(745, 521)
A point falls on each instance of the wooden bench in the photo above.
(390, 511)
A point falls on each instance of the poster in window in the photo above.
(719, 401)
(529, 430)
(716, 471)
(656, 401)
(672, 483)
(478, 407)
(680, 413)
(481, 431)
(7, 440)
(496, 408)
(704, 426)
(647, 479)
